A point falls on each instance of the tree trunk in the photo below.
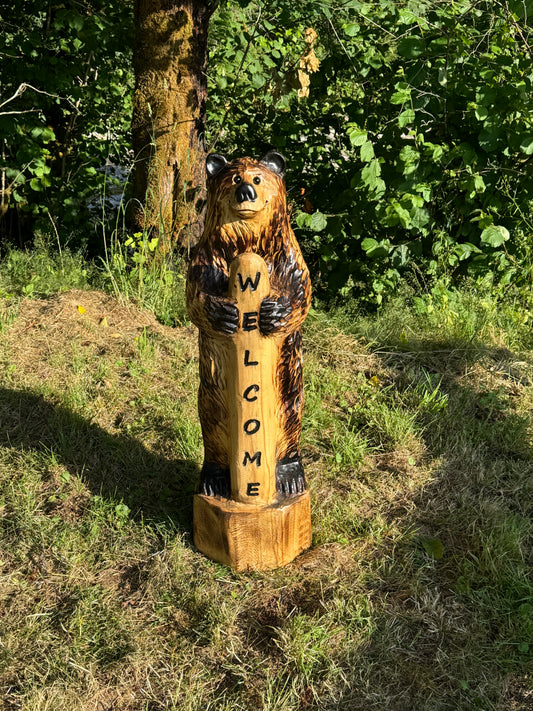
(170, 58)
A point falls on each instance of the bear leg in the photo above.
(290, 478)
(215, 480)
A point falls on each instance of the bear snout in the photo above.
(245, 193)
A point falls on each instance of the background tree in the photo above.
(169, 104)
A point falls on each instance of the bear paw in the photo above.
(290, 477)
(274, 314)
(215, 480)
(223, 315)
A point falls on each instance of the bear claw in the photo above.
(274, 314)
(290, 479)
(215, 481)
(223, 315)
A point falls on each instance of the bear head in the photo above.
(245, 190)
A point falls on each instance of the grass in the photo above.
(417, 593)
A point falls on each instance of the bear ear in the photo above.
(275, 162)
(214, 164)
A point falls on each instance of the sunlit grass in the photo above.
(416, 594)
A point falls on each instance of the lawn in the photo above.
(417, 593)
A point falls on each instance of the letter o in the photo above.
(251, 426)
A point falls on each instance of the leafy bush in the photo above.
(414, 148)
(65, 84)
(407, 126)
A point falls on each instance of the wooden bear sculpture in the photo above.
(248, 291)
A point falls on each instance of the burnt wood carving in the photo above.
(248, 291)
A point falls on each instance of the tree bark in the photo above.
(170, 59)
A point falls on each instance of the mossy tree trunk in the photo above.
(170, 59)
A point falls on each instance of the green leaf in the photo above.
(258, 80)
(302, 219)
(488, 139)
(375, 249)
(352, 29)
(406, 118)
(369, 243)
(75, 21)
(419, 217)
(409, 155)
(122, 511)
(402, 93)
(411, 47)
(526, 144)
(479, 184)
(481, 112)
(400, 255)
(356, 135)
(464, 250)
(495, 235)
(318, 222)
(371, 173)
(367, 152)
(432, 546)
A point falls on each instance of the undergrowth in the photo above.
(127, 269)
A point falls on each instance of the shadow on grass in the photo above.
(114, 466)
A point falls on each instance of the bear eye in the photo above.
(257, 180)
(237, 179)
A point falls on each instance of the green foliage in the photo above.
(409, 153)
(133, 271)
(65, 98)
(43, 271)
(414, 146)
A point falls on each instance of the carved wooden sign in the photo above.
(251, 391)
(248, 291)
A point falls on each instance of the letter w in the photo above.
(248, 282)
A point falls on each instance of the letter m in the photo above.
(248, 282)
(256, 458)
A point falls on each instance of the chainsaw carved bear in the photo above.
(247, 211)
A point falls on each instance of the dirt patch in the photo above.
(79, 336)
(93, 318)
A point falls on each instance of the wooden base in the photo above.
(244, 536)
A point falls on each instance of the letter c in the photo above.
(251, 388)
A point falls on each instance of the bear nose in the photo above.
(245, 192)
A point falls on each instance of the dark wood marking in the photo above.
(253, 488)
(251, 388)
(251, 426)
(248, 282)
(247, 361)
(248, 458)
(249, 320)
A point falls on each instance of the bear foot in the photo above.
(215, 480)
(290, 477)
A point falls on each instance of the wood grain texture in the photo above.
(247, 537)
(248, 291)
(252, 398)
